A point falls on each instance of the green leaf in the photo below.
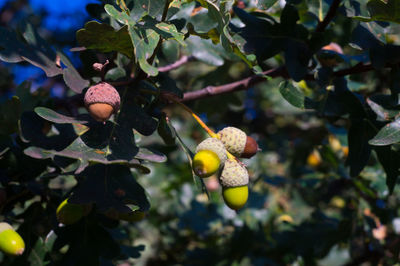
(153, 8)
(71, 76)
(144, 40)
(389, 134)
(115, 73)
(10, 112)
(205, 51)
(165, 131)
(135, 117)
(150, 155)
(55, 117)
(265, 4)
(105, 38)
(382, 113)
(37, 254)
(80, 150)
(294, 95)
(28, 99)
(31, 49)
(166, 30)
(168, 85)
(297, 57)
(110, 187)
(359, 149)
(379, 10)
(389, 160)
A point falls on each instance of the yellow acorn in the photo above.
(238, 143)
(235, 197)
(337, 202)
(334, 143)
(234, 179)
(285, 218)
(210, 155)
(314, 159)
(10, 241)
(345, 151)
(69, 213)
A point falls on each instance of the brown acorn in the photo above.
(238, 143)
(101, 101)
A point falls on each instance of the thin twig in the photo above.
(243, 84)
(329, 16)
(183, 60)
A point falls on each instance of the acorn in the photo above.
(101, 101)
(238, 143)
(69, 213)
(234, 180)
(235, 197)
(210, 155)
(314, 159)
(10, 241)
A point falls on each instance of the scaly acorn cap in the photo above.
(234, 174)
(238, 143)
(102, 100)
(214, 145)
(10, 241)
(234, 140)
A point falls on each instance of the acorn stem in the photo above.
(201, 123)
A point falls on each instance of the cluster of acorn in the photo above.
(218, 156)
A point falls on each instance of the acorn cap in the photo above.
(103, 93)
(5, 226)
(234, 174)
(234, 140)
(214, 145)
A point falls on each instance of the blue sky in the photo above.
(61, 16)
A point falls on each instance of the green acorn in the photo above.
(238, 143)
(234, 180)
(210, 155)
(69, 213)
(10, 241)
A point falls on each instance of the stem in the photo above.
(329, 16)
(198, 119)
(201, 123)
(164, 16)
(320, 15)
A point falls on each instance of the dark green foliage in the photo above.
(327, 121)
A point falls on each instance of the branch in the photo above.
(176, 64)
(329, 16)
(243, 84)
(246, 83)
